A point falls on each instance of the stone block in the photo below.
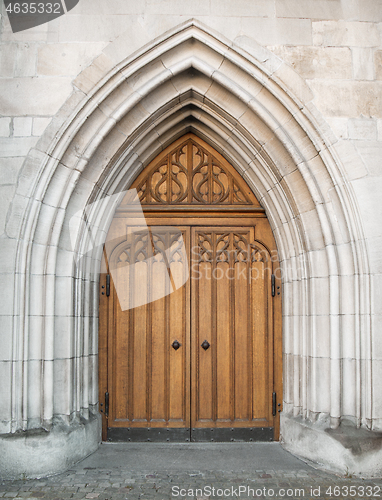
(345, 33)
(48, 96)
(8, 53)
(5, 377)
(321, 368)
(371, 154)
(321, 336)
(63, 337)
(271, 31)
(6, 196)
(338, 125)
(230, 30)
(16, 146)
(6, 336)
(36, 337)
(243, 8)
(22, 126)
(171, 7)
(362, 129)
(379, 128)
(35, 383)
(363, 63)
(365, 10)
(235, 74)
(347, 98)
(319, 9)
(8, 254)
(347, 295)
(97, 27)
(378, 64)
(26, 59)
(64, 295)
(374, 245)
(7, 294)
(317, 62)
(368, 191)
(39, 126)
(268, 59)
(132, 38)
(66, 58)
(63, 370)
(351, 159)
(318, 264)
(296, 185)
(350, 387)
(377, 400)
(5, 127)
(348, 342)
(312, 230)
(376, 323)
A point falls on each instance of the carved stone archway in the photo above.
(260, 117)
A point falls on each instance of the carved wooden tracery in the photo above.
(190, 174)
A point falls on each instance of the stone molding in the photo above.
(257, 112)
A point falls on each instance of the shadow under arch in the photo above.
(122, 115)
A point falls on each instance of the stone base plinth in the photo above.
(347, 449)
(39, 453)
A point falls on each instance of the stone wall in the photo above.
(327, 56)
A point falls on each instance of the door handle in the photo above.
(176, 345)
(205, 345)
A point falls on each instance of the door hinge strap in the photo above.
(106, 404)
(274, 404)
(273, 282)
(107, 285)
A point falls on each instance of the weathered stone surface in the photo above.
(363, 64)
(22, 127)
(343, 33)
(319, 9)
(347, 99)
(5, 127)
(317, 62)
(278, 31)
(7, 59)
(48, 95)
(98, 27)
(39, 125)
(378, 64)
(260, 8)
(9, 169)
(26, 59)
(16, 146)
(66, 58)
(361, 129)
(371, 154)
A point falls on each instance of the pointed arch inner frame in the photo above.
(119, 118)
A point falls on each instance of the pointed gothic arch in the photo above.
(263, 122)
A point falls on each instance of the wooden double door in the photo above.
(190, 328)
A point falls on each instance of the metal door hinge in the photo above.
(106, 404)
(107, 285)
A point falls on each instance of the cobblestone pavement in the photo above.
(121, 482)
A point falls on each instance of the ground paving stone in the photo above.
(122, 483)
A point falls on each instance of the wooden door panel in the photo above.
(191, 187)
(232, 380)
(149, 379)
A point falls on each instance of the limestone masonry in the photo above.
(290, 92)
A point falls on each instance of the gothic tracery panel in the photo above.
(191, 175)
